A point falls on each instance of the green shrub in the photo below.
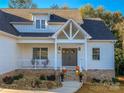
(17, 77)
(114, 80)
(105, 81)
(42, 77)
(51, 78)
(20, 75)
(94, 80)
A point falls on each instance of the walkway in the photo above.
(68, 87)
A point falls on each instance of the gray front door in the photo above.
(69, 57)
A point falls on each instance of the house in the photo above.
(34, 38)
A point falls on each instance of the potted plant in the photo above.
(33, 62)
(80, 76)
(62, 76)
(45, 63)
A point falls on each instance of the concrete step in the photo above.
(70, 75)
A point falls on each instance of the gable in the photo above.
(71, 30)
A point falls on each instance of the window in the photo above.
(44, 53)
(40, 53)
(38, 24)
(96, 53)
(43, 26)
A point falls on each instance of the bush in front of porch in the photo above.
(31, 81)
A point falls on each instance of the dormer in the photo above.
(41, 20)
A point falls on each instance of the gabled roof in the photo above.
(95, 28)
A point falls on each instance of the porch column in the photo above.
(55, 64)
(85, 54)
(80, 57)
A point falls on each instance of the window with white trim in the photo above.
(43, 25)
(96, 53)
(40, 24)
(40, 53)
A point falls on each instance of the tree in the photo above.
(87, 11)
(55, 6)
(22, 4)
(100, 12)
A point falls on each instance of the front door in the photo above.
(69, 57)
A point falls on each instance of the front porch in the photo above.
(66, 48)
(27, 53)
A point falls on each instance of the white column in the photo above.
(85, 54)
(55, 64)
(80, 57)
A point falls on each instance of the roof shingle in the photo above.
(97, 29)
(5, 25)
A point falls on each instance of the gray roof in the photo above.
(56, 18)
(5, 25)
(36, 34)
(95, 28)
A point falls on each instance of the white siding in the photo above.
(32, 28)
(26, 52)
(106, 55)
(8, 54)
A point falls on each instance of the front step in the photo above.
(70, 75)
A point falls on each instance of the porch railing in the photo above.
(34, 63)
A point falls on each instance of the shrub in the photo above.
(42, 77)
(36, 83)
(114, 80)
(105, 81)
(49, 85)
(20, 75)
(8, 80)
(17, 77)
(94, 80)
(51, 77)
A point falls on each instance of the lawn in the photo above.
(86, 88)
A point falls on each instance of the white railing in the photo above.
(34, 63)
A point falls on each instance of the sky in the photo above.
(109, 5)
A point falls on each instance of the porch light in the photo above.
(79, 48)
(59, 48)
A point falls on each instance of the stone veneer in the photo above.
(88, 75)
(99, 74)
